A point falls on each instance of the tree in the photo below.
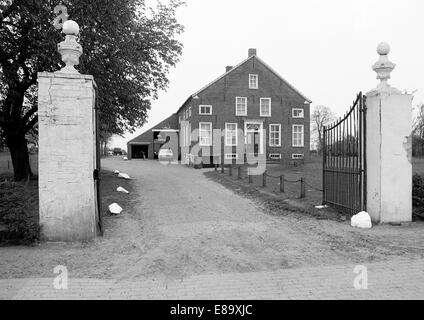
(418, 133)
(128, 48)
(321, 116)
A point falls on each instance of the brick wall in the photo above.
(222, 96)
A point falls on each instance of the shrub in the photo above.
(18, 213)
(418, 195)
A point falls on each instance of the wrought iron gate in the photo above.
(344, 160)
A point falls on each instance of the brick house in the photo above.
(250, 104)
(250, 109)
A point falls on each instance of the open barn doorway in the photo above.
(140, 151)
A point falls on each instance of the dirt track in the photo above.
(178, 223)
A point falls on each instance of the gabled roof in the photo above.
(236, 67)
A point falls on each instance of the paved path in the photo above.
(394, 280)
(184, 237)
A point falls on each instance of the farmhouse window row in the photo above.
(231, 136)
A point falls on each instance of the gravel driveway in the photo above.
(176, 223)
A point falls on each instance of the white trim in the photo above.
(257, 80)
(260, 107)
(279, 128)
(275, 156)
(296, 156)
(226, 135)
(245, 109)
(261, 133)
(210, 137)
(303, 136)
(229, 156)
(298, 109)
(205, 105)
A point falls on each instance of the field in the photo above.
(6, 167)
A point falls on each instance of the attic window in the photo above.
(253, 81)
(205, 110)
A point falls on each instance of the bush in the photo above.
(418, 195)
(18, 213)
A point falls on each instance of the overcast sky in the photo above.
(323, 48)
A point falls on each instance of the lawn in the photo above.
(271, 195)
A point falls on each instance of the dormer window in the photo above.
(253, 81)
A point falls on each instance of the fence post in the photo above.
(239, 172)
(264, 179)
(250, 176)
(282, 183)
(216, 167)
(302, 188)
(230, 173)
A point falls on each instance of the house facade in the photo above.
(249, 110)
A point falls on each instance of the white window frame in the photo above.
(298, 109)
(260, 107)
(245, 106)
(205, 106)
(275, 156)
(200, 134)
(297, 156)
(302, 145)
(229, 156)
(251, 76)
(189, 112)
(270, 135)
(226, 135)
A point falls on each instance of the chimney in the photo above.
(228, 68)
(252, 52)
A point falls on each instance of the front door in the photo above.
(253, 142)
(253, 134)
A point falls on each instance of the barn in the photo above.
(148, 144)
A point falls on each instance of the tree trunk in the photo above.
(18, 148)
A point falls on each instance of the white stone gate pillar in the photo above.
(389, 167)
(67, 147)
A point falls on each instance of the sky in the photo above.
(323, 48)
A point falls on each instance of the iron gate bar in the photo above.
(344, 163)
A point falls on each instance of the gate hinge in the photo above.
(96, 174)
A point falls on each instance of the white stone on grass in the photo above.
(114, 208)
(361, 220)
(124, 176)
(321, 207)
(125, 158)
(116, 172)
(120, 189)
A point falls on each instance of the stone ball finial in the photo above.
(70, 49)
(383, 49)
(383, 67)
(70, 27)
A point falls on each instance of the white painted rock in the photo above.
(124, 176)
(125, 158)
(120, 189)
(321, 207)
(116, 172)
(361, 220)
(114, 208)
